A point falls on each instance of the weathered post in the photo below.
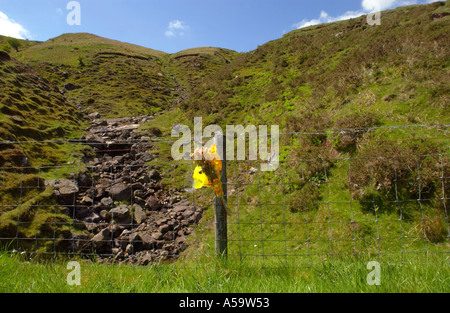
(220, 213)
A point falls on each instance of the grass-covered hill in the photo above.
(396, 72)
(316, 83)
(99, 74)
(33, 109)
(334, 88)
(120, 79)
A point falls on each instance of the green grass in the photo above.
(18, 274)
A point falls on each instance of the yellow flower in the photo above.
(200, 178)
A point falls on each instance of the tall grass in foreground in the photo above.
(19, 274)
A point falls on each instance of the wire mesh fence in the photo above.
(380, 192)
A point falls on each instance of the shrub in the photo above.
(14, 43)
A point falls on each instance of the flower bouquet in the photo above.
(207, 172)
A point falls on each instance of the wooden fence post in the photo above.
(220, 213)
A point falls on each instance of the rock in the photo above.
(71, 86)
(143, 241)
(94, 115)
(253, 171)
(169, 236)
(120, 213)
(168, 247)
(92, 227)
(17, 120)
(105, 215)
(148, 241)
(115, 250)
(155, 131)
(4, 56)
(102, 238)
(157, 235)
(155, 175)
(161, 221)
(92, 218)
(146, 259)
(65, 190)
(137, 186)
(436, 16)
(163, 229)
(153, 204)
(138, 193)
(120, 192)
(139, 214)
(87, 200)
(180, 240)
(115, 229)
(188, 213)
(102, 123)
(129, 249)
(107, 202)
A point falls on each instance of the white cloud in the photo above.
(8, 27)
(367, 6)
(176, 28)
(325, 18)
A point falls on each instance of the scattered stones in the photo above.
(119, 202)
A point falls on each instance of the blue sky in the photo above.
(174, 25)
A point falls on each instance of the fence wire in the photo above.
(129, 202)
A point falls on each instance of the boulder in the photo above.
(139, 214)
(107, 202)
(102, 238)
(120, 213)
(157, 235)
(153, 204)
(120, 192)
(65, 190)
(93, 218)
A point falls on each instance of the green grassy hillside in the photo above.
(32, 109)
(111, 77)
(398, 70)
(315, 82)
(347, 182)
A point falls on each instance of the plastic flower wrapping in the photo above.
(207, 172)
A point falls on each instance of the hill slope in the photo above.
(395, 70)
(334, 89)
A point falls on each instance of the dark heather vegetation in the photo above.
(335, 88)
